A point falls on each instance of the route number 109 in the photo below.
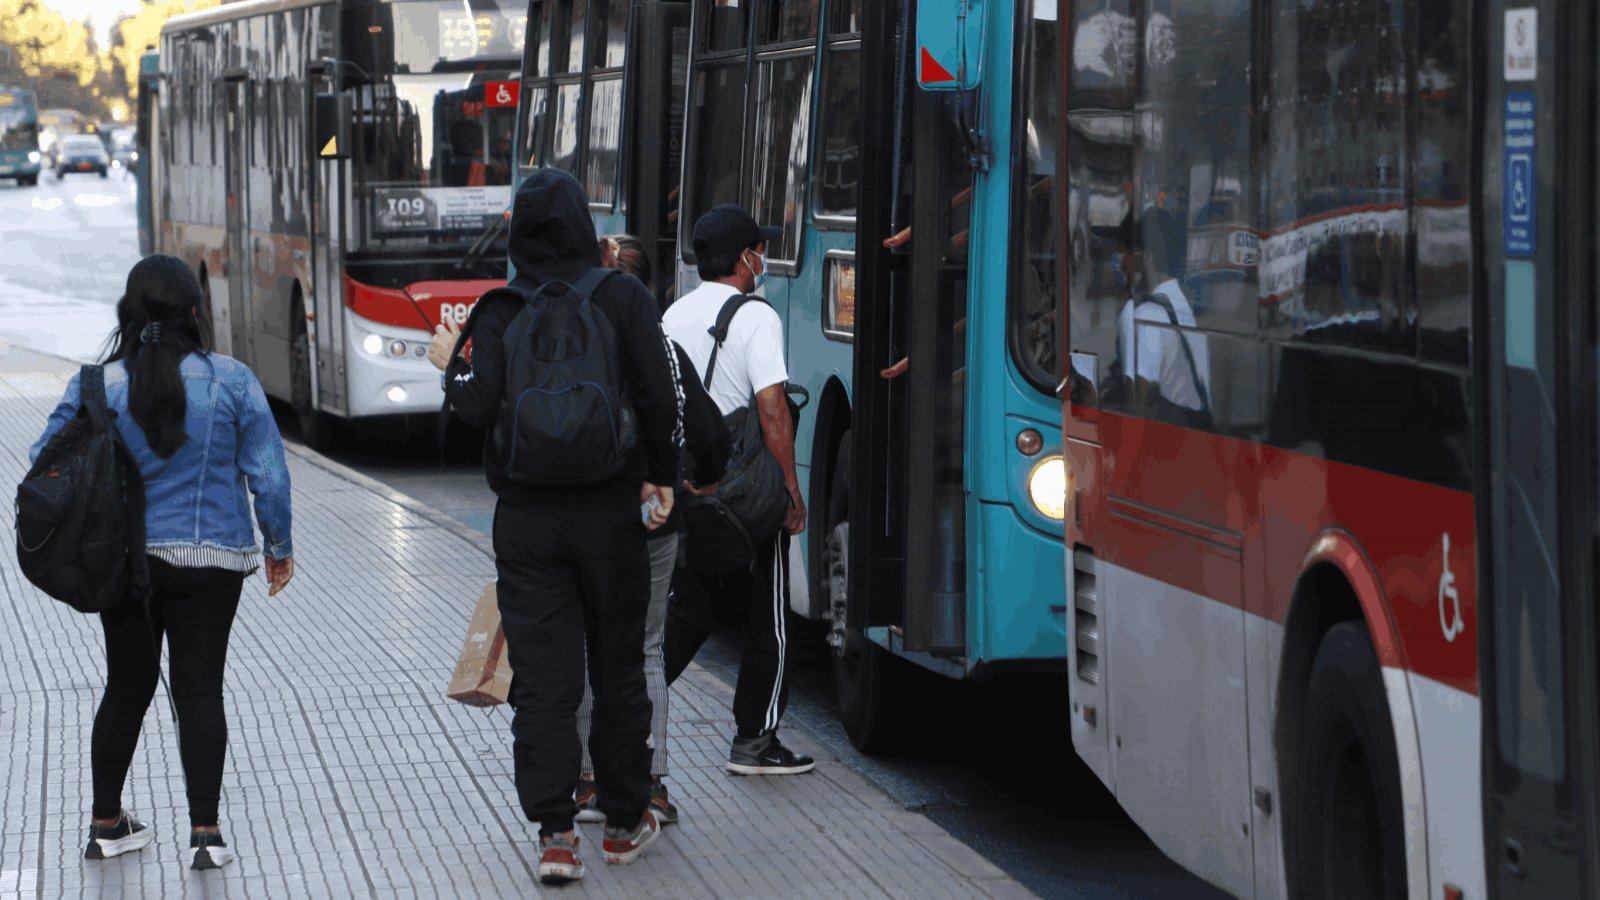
(408, 206)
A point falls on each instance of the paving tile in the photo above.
(351, 775)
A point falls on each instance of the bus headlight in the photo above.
(33, 156)
(1047, 487)
(372, 344)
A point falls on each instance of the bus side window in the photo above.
(718, 129)
(780, 139)
(839, 141)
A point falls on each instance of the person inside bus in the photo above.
(200, 429)
(1167, 369)
(729, 247)
(702, 433)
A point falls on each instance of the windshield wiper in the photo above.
(484, 241)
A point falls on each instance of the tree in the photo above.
(132, 35)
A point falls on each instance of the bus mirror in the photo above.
(333, 126)
(950, 44)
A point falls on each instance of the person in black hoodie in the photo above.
(574, 575)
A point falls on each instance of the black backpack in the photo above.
(565, 418)
(752, 499)
(80, 510)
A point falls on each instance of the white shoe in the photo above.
(128, 835)
(207, 850)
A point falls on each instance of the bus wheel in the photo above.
(1349, 808)
(316, 431)
(861, 669)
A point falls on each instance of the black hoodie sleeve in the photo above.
(705, 434)
(474, 388)
(648, 374)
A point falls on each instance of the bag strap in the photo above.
(1183, 341)
(719, 331)
(92, 394)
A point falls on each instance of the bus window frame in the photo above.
(753, 55)
(831, 43)
(1021, 41)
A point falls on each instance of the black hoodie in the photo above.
(553, 238)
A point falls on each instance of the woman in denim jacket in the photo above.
(199, 426)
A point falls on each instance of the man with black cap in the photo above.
(729, 247)
(574, 573)
(1170, 369)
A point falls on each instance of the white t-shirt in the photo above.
(751, 359)
(1160, 359)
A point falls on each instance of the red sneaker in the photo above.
(560, 863)
(588, 801)
(623, 845)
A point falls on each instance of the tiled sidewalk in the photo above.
(350, 774)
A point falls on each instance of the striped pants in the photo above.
(663, 556)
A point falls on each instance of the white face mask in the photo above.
(760, 288)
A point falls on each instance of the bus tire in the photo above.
(862, 671)
(1349, 818)
(316, 429)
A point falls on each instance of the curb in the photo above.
(482, 542)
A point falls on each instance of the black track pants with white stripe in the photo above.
(762, 692)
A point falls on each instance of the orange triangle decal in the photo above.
(932, 71)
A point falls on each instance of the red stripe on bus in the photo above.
(1241, 523)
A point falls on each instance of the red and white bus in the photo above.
(1332, 527)
(328, 263)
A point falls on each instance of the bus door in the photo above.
(1537, 513)
(232, 318)
(910, 393)
(658, 75)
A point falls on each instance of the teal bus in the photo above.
(916, 275)
(19, 136)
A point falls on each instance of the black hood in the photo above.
(552, 233)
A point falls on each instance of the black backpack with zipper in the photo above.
(80, 510)
(565, 418)
(752, 498)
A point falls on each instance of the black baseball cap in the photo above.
(728, 229)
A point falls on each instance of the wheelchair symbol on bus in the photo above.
(1447, 591)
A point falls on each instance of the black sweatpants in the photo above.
(574, 573)
(194, 608)
(761, 601)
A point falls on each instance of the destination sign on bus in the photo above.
(438, 208)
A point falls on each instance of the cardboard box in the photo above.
(483, 675)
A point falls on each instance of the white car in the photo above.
(81, 153)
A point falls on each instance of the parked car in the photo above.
(81, 153)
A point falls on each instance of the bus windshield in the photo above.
(19, 126)
(434, 149)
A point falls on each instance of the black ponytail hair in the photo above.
(158, 324)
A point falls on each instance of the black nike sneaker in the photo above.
(766, 755)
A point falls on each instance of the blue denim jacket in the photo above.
(197, 498)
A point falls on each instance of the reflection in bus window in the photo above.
(844, 17)
(781, 138)
(788, 20)
(1036, 314)
(564, 143)
(727, 25)
(536, 101)
(719, 102)
(612, 47)
(600, 170)
(575, 35)
(840, 148)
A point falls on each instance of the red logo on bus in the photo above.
(501, 93)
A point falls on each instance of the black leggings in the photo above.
(195, 609)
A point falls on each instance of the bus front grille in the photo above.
(1086, 614)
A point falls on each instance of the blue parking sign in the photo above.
(1521, 225)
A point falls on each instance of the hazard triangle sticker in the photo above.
(932, 71)
(331, 148)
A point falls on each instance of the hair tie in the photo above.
(150, 334)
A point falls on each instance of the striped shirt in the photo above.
(246, 561)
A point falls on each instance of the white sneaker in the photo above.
(128, 835)
(207, 850)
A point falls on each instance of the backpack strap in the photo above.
(92, 394)
(719, 331)
(1183, 341)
